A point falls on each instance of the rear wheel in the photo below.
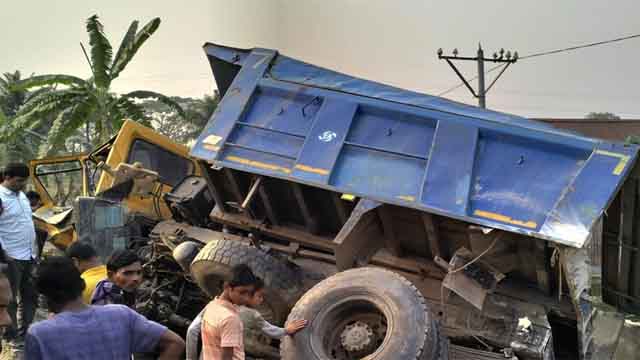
(368, 313)
(283, 283)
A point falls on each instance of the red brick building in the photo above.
(603, 129)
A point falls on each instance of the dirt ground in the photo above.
(10, 352)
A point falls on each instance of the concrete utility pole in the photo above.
(507, 59)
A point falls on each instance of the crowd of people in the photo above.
(92, 305)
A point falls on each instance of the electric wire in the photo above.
(550, 52)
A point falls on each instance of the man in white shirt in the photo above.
(18, 241)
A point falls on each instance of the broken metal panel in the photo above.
(504, 323)
(598, 326)
(101, 223)
(574, 265)
(471, 280)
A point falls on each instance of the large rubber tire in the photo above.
(283, 283)
(358, 297)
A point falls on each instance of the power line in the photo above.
(504, 58)
(472, 79)
(581, 46)
(546, 53)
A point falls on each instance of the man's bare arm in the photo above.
(227, 353)
(171, 346)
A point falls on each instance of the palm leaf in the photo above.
(65, 125)
(124, 108)
(143, 94)
(37, 113)
(128, 52)
(101, 52)
(48, 80)
(40, 102)
(126, 46)
(58, 123)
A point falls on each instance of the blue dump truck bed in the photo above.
(284, 118)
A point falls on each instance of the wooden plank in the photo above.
(433, 238)
(310, 223)
(391, 241)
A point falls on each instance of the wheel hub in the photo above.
(356, 337)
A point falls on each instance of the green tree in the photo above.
(182, 129)
(11, 99)
(87, 104)
(602, 116)
(20, 148)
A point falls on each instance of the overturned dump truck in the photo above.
(407, 226)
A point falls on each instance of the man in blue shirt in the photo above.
(18, 241)
(79, 331)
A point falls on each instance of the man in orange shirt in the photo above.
(222, 329)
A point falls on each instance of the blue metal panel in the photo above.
(450, 169)
(282, 109)
(589, 195)
(252, 160)
(325, 141)
(265, 141)
(392, 131)
(295, 121)
(364, 171)
(519, 179)
(232, 105)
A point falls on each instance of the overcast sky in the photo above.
(394, 42)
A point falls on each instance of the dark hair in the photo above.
(121, 258)
(59, 281)
(16, 170)
(32, 195)
(259, 285)
(241, 275)
(81, 250)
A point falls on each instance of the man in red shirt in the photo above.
(222, 329)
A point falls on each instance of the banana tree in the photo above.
(75, 103)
